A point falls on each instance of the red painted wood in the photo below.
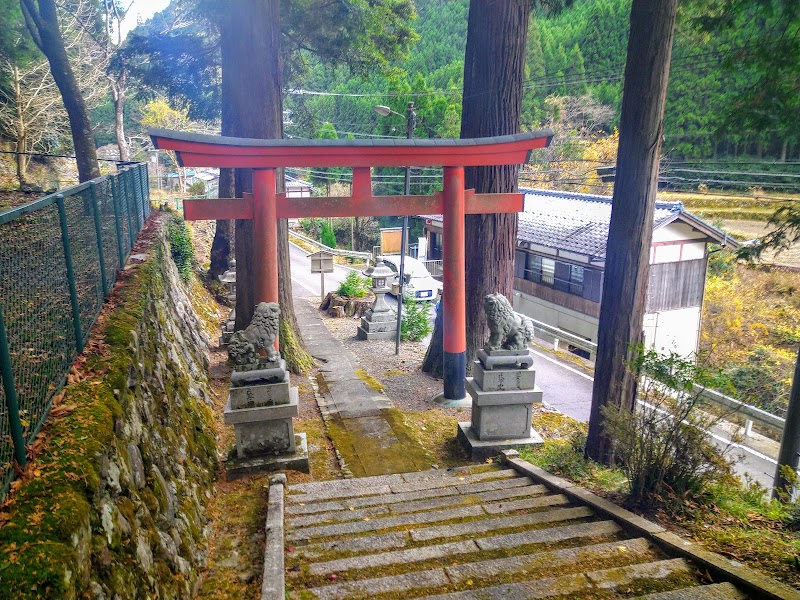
(216, 154)
(218, 208)
(454, 298)
(388, 206)
(265, 236)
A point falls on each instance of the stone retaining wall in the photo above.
(112, 506)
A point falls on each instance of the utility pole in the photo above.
(410, 125)
(789, 455)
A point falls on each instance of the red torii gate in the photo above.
(265, 205)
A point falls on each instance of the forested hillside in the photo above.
(577, 54)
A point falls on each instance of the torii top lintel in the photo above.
(197, 150)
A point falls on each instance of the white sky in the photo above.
(141, 10)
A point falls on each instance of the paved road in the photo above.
(565, 388)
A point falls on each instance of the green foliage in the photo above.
(758, 381)
(415, 323)
(663, 445)
(721, 262)
(326, 235)
(198, 188)
(354, 286)
(180, 244)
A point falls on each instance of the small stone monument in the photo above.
(380, 321)
(262, 403)
(503, 386)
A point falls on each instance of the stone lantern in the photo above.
(228, 279)
(378, 323)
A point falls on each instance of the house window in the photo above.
(548, 271)
(533, 267)
(576, 280)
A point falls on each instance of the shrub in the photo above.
(415, 323)
(326, 235)
(180, 244)
(354, 286)
(198, 188)
(663, 445)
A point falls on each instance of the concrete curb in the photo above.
(273, 585)
(760, 586)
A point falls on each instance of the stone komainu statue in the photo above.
(244, 346)
(507, 329)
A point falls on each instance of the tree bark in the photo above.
(223, 234)
(433, 363)
(789, 456)
(252, 107)
(494, 69)
(42, 22)
(631, 229)
(117, 86)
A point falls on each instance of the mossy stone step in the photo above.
(446, 550)
(579, 583)
(716, 591)
(352, 514)
(432, 578)
(390, 484)
(302, 508)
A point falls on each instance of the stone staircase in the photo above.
(470, 533)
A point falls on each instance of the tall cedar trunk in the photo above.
(252, 107)
(20, 129)
(42, 22)
(631, 229)
(790, 442)
(494, 68)
(223, 234)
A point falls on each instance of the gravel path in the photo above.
(400, 375)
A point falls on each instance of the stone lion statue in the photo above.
(507, 329)
(244, 345)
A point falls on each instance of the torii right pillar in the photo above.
(454, 299)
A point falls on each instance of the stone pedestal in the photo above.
(261, 406)
(378, 325)
(503, 391)
(228, 329)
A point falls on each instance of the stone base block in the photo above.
(236, 467)
(492, 380)
(255, 396)
(499, 422)
(480, 450)
(483, 398)
(508, 359)
(263, 413)
(385, 316)
(364, 334)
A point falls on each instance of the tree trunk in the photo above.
(789, 455)
(494, 68)
(118, 96)
(433, 364)
(42, 22)
(223, 234)
(252, 107)
(631, 229)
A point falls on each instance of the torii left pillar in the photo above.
(454, 328)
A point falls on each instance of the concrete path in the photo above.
(478, 532)
(367, 433)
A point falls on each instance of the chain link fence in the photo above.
(59, 258)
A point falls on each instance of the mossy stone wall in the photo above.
(112, 506)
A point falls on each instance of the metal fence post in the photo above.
(123, 189)
(99, 229)
(147, 187)
(130, 189)
(143, 186)
(112, 180)
(12, 408)
(73, 292)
